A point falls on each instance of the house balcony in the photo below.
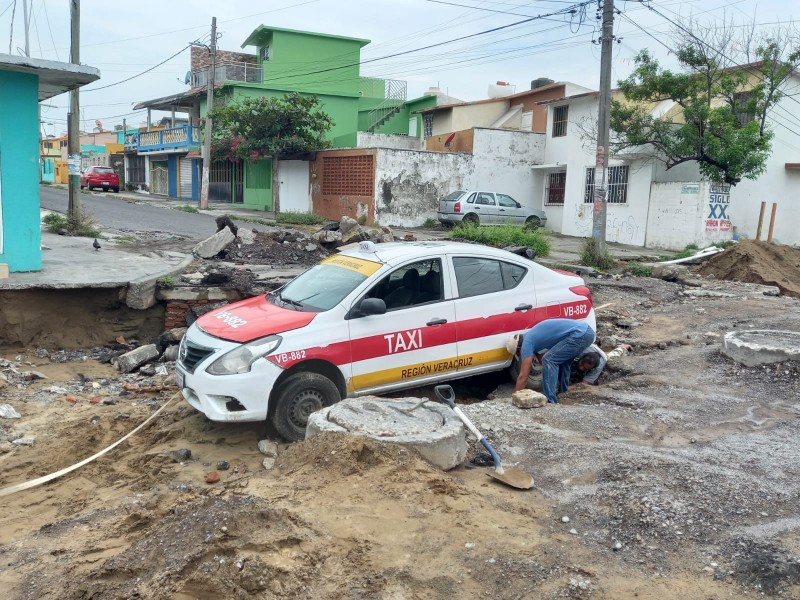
(229, 71)
(175, 139)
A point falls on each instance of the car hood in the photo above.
(252, 319)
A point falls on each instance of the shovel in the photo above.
(510, 476)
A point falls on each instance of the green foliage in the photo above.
(167, 281)
(724, 245)
(709, 127)
(591, 258)
(252, 220)
(503, 235)
(689, 250)
(81, 225)
(254, 128)
(294, 218)
(638, 269)
(186, 208)
(430, 223)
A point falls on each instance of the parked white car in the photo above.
(487, 208)
(372, 319)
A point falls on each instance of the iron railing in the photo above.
(229, 71)
(395, 94)
(175, 138)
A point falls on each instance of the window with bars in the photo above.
(560, 114)
(348, 176)
(743, 108)
(617, 185)
(427, 121)
(556, 185)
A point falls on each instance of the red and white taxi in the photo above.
(372, 319)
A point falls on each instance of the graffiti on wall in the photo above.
(622, 230)
(583, 218)
(719, 202)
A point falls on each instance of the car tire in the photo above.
(472, 219)
(533, 222)
(116, 190)
(446, 224)
(83, 186)
(299, 396)
(534, 378)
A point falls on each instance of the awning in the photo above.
(550, 166)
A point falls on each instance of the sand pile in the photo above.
(758, 262)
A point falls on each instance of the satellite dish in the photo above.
(188, 79)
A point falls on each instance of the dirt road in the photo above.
(678, 478)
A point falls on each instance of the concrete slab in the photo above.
(432, 429)
(761, 346)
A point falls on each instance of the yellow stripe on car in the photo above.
(359, 265)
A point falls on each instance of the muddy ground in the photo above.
(678, 476)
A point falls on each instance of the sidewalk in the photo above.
(215, 209)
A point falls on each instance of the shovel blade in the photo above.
(513, 477)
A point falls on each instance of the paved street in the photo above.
(115, 212)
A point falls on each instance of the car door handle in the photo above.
(502, 210)
(524, 307)
(433, 322)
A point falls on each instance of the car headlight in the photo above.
(239, 360)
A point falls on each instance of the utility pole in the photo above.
(73, 123)
(209, 120)
(604, 102)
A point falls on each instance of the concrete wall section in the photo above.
(350, 190)
(20, 228)
(462, 142)
(408, 184)
(503, 161)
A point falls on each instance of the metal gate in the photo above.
(185, 178)
(226, 182)
(159, 177)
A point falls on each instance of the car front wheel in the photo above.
(299, 396)
(533, 223)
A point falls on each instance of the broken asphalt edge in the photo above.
(140, 293)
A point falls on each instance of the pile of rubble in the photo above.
(348, 231)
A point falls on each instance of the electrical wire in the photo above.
(11, 33)
(138, 74)
(52, 40)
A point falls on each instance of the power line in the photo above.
(11, 33)
(138, 74)
(52, 40)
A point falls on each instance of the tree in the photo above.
(255, 128)
(722, 122)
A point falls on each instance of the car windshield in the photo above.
(453, 196)
(324, 285)
(103, 170)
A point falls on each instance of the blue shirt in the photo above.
(548, 333)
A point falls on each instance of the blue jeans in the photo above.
(557, 363)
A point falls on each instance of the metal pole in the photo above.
(27, 26)
(73, 124)
(209, 120)
(604, 104)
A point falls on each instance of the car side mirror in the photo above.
(518, 204)
(372, 306)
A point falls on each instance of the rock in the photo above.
(347, 224)
(354, 235)
(148, 370)
(528, 399)
(565, 519)
(109, 401)
(617, 546)
(669, 272)
(170, 354)
(33, 375)
(95, 400)
(135, 358)
(212, 246)
(26, 440)
(772, 291)
(71, 399)
(268, 448)
(268, 463)
(175, 335)
(212, 477)
(247, 236)
(161, 370)
(310, 247)
(223, 465)
(327, 237)
(7, 412)
(573, 531)
(181, 455)
(627, 323)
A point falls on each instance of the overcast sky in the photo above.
(123, 38)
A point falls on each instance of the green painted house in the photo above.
(287, 60)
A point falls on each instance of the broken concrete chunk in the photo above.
(170, 354)
(327, 237)
(212, 246)
(528, 399)
(147, 370)
(268, 463)
(181, 455)
(175, 335)
(135, 358)
(7, 412)
(347, 224)
(24, 441)
(247, 236)
(33, 375)
(268, 448)
(669, 272)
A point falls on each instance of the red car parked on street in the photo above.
(104, 177)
